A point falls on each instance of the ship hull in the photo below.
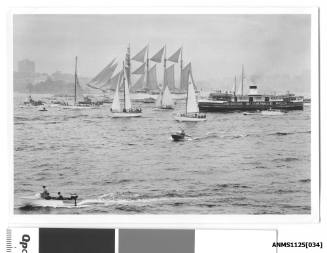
(212, 106)
(164, 108)
(188, 119)
(126, 115)
(46, 203)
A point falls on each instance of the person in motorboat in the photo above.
(45, 194)
(60, 197)
(179, 136)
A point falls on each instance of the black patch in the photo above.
(69, 240)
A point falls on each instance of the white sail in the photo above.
(192, 79)
(158, 56)
(152, 83)
(140, 55)
(79, 90)
(167, 99)
(127, 99)
(140, 70)
(115, 107)
(191, 103)
(175, 56)
(170, 77)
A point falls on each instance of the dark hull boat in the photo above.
(178, 136)
(213, 106)
(252, 101)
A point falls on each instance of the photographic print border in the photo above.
(177, 221)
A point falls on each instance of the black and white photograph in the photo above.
(163, 114)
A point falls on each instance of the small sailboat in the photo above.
(192, 113)
(128, 111)
(165, 100)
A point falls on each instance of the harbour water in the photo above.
(232, 164)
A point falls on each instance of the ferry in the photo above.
(228, 102)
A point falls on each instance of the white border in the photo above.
(176, 221)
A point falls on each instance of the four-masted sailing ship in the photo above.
(143, 79)
(146, 74)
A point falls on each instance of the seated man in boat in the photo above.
(60, 197)
(45, 194)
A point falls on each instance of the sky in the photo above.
(271, 47)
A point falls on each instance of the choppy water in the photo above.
(233, 164)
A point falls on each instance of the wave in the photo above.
(237, 136)
(51, 122)
(75, 116)
(129, 209)
(283, 191)
(19, 118)
(122, 181)
(219, 186)
(290, 133)
(215, 135)
(286, 159)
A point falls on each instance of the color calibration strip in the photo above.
(71, 240)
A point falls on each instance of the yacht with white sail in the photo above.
(192, 113)
(164, 100)
(128, 111)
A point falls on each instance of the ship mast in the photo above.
(234, 86)
(242, 78)
(165, 65)
(128, 64)
(75, 81)
(147, 69)
(124, 109)
(188, 73)
(181, 81)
